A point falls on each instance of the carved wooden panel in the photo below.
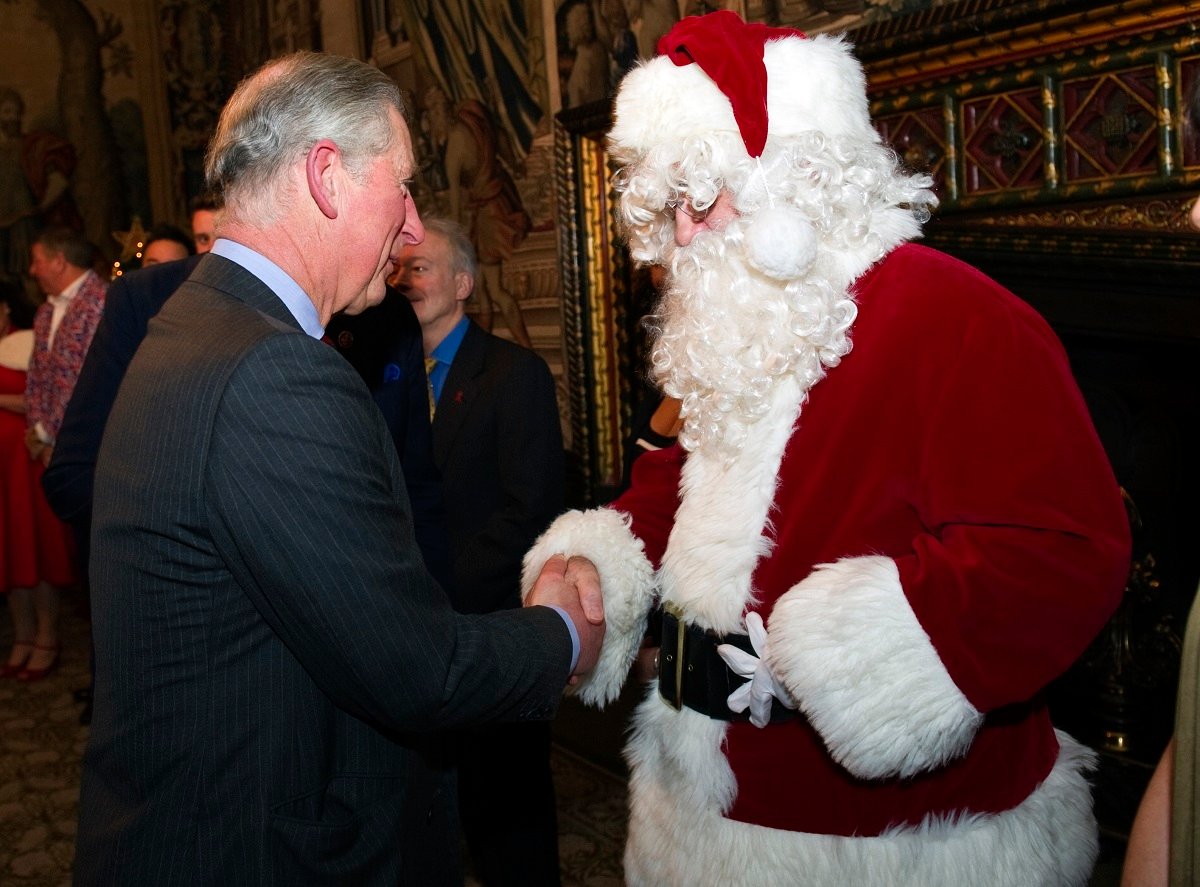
(1110, 125)
(1067, 127)
(1003, 142)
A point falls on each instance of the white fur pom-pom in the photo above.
(781, 243)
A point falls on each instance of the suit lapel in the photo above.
(459, 392)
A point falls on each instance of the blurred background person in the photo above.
(166, 243)
(35, 551)
(133, 298)
(62, 261)
(204, 220)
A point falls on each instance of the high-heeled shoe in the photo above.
(12, 669)
(29, 675)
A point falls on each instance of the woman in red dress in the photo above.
(36, 552)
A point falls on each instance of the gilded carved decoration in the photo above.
(1157, 215)
(911, 53)
(592, 343)
(1053, 129)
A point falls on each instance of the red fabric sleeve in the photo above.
(652, 498)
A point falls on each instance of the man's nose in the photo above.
(412, 228)
(685, 227)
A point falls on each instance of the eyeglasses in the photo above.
(683, 203)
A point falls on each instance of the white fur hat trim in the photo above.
(813, 84)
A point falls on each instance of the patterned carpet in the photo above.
(41, 746)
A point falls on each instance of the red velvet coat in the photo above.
(953, 440)
(931, 537)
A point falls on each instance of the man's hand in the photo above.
(46, 455)
(574, 586)
(33, 443)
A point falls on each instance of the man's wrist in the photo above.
(574, 635)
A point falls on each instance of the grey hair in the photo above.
(278, 113)
(462, 252)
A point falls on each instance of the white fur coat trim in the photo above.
(720, 527)
(849, 648)
(1049, 840)
(626, 578)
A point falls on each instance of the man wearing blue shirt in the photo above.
(272, 659)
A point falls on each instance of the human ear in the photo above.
(464, 285)
(321, 166)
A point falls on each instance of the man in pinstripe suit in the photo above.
(270, 655)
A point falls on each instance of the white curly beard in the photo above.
(725, 334)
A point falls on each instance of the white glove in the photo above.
(757, 693)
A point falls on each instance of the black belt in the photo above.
(691, 672)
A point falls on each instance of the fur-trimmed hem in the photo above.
(603, 536)
(849, 648)
(1049, 840)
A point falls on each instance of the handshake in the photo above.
(574, 587)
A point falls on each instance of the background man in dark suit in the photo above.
(269, 649)
(391, 334)
(133, 299)
(498, 446)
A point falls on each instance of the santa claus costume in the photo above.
(888, 508)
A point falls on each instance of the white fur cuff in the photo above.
(849, 648)
(626, 577)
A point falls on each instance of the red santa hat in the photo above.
(718, 73)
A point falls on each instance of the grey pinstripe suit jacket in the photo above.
(270, 651)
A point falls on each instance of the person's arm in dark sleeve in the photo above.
(310, 506)
(404, 401)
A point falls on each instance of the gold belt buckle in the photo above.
(674, 658)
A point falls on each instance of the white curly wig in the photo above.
(769, 294)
